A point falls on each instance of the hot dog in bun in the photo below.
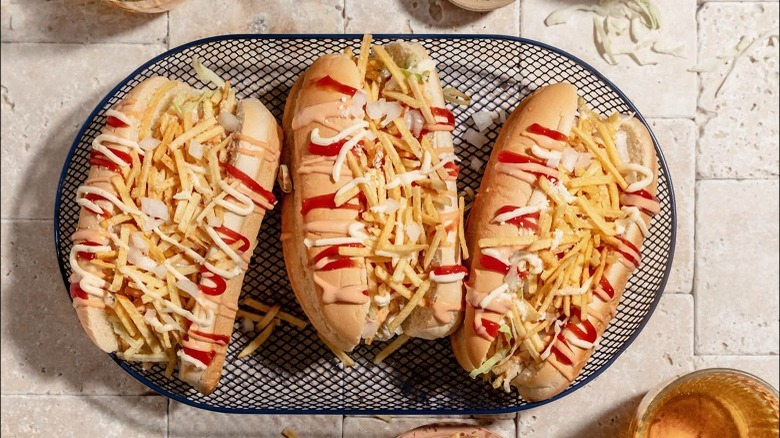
(178, 185)
(370, 230)
(554, 233)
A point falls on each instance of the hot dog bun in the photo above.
(342, 293)
(158, 276)
(562, 338)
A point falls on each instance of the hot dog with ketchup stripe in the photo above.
(554, 233)
(370, 230)
(178, 186)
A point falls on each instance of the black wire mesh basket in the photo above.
(294, 373)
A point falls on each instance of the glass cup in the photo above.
(714, 402)
(147, 6)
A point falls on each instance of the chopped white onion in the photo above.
(475, 138)
(148, 143)
(584, 159)
(228, 121)
(501, 115)
(392, 111)
(195, 149)
(413, 230)
(569, 158)
(374, 109)
(150, 224)
(356, 104)
(475, 164)
(418, 121)
(155, 208)
(483, 119)
(137, 240)
(136, 258)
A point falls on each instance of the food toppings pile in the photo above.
(572, 227)
(398, 152)
(169, 212)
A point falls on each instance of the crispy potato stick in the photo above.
(284, 316)
(257, 342)
(390, 348)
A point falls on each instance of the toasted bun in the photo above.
(312, 107)
(339, 323)
(552, 106)
(257, 123)
(91, 312)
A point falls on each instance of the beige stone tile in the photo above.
(45, 350)
(739, 126)
(503, 425)
(186, 421)
(736, 285)
(66, 416)
(677, 138)
(48, 90)
(428, 16)
(66, 21)
(764, 367)
(196, 19)
(663, 90)
(604, 407)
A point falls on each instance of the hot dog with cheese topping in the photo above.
(370, 230)
(554, 233)
(179, 183)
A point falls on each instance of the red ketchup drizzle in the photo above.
(77, 292)
(95, 197)
(249, 182)
(324, 201)
(625, 254)
(541, 130)
(453, 169)
(493, 264)
(203, 356)
(520, 221)
(219, 339)
(329, 82)
(99, 159)
(490, 327)
(230, 237)
(340, 264)
(330, 150)
(450, 269)
(513, 158)
(607, 287)
(647, 195)
(219, 283)
(444, 112)
(333, 250)
(115, 122)
(562, 358)
(587, 335)
(87, 255)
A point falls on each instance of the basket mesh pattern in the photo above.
(294, 372)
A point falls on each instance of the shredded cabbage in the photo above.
(205, 74)
(488, 364)
(622, 27)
